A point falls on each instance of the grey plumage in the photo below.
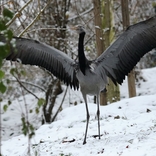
(116, 62)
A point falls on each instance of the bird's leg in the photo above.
(98, 114)
(88, 116)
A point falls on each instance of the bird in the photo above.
(91, 76)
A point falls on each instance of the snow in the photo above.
(2, 44)
(128, 127)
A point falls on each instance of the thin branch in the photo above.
(17, 14)
(82, 14)
(45, 29)
(90, 38)
(60, 105)
(39, 5)
(31, 85)
(25, 87)
(4, 3)
(26, 117)
(0, 129)
(34, 20)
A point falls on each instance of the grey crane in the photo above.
(116, 62)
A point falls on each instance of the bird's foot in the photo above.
(95, 136)
(84, 142)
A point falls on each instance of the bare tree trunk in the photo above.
(113, 93)
(126, 23)
(99, 39)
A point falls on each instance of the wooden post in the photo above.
(126, 23)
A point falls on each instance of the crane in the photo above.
(91, 75)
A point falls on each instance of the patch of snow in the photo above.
(128, 127)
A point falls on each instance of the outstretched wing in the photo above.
(120, 58)
(36, 53)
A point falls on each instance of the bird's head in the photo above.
(79, 29)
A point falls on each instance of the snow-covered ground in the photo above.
(128, 127)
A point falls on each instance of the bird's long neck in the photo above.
(81, 55)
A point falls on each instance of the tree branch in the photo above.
(60, 105)
(34, 20)
(25, 87)
(82, 14)
(30, 84)
(17, 14)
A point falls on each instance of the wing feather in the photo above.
(136, 41)
(36, 53)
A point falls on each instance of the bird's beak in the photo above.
(73, 28)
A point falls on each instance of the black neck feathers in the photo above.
(81, 55)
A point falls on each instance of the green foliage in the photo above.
(27, 128)
(5, 107)
(13, 70)
(40, 102)
(2, 74)
(7, 16)
(7, 13)
(154, 4)
(37, 110)
(2, 87)
(4, 47)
